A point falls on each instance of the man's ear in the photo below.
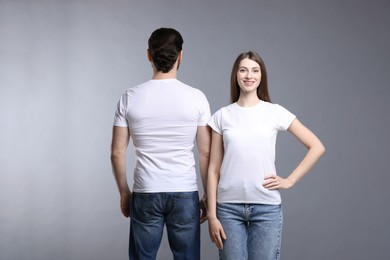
(180, 56)
(149, 55)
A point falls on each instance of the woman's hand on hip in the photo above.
(274, 182)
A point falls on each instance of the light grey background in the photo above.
(64, 64)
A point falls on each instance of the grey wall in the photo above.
(64, 64)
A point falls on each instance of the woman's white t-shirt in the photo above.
(249, 139)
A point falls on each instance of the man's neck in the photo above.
(169, 75)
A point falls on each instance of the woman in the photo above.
(245, 213)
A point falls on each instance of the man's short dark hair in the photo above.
(165, 45)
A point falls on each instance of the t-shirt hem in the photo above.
(291, 119)
(215, 128)
(158, 191)
(251, 202)
(121, 125)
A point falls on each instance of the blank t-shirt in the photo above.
(163, 116)
(249, 138)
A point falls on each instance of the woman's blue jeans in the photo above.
(253, 231)
(179, 211)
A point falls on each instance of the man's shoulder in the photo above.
(136, 88)
(186, 86)
(193, 91)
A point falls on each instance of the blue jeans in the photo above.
(179, 211)
(253, 231)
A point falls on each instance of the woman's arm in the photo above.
(215, 228)
(315, 151)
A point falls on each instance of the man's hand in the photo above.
(203, 209)
(126, 204)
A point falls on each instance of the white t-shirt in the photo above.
(163, 116)
(249, 138)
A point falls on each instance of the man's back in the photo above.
(163, 116)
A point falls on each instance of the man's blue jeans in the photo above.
(253, 231)
(179, 211)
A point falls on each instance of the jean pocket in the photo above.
(143, 206)
(186, 208)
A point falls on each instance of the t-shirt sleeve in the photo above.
(120, 113)
(285, 118)
(215, 122)
(204, 110)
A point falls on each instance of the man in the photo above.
(163, 116)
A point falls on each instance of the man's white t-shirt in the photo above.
(249, 139)
(163, 116)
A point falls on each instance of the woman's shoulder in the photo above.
(270, 105)
(226, 109)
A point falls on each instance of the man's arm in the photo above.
(203, 141)
(120, 141)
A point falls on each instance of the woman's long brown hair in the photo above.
(262, 90)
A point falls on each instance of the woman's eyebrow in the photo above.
(243, 67)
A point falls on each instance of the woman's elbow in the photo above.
(321, 149)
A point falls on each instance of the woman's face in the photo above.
(248, 75)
